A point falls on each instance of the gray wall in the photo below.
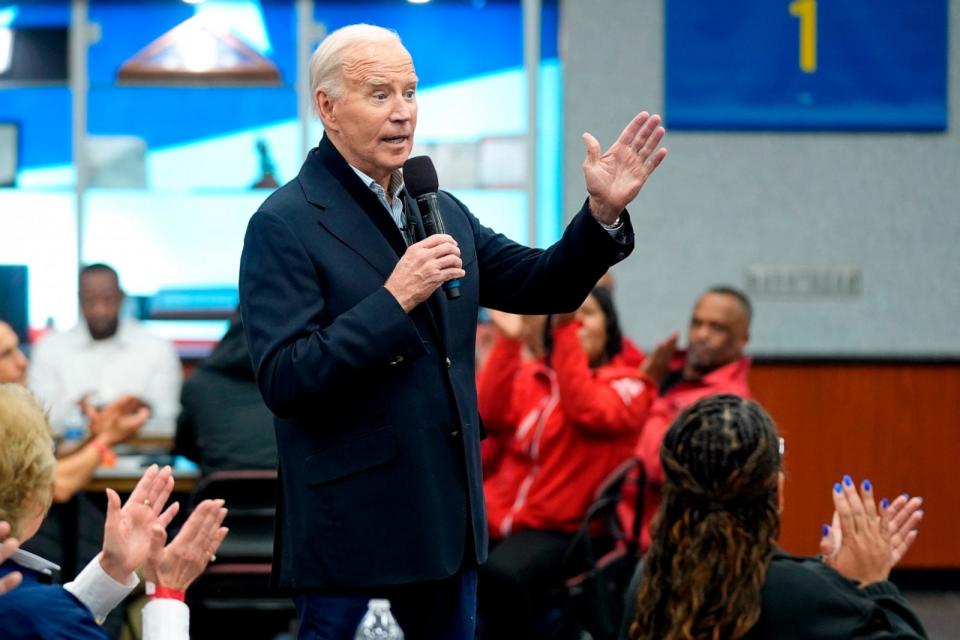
(885, 205)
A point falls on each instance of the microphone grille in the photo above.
(419, 176)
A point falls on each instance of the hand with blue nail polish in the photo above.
(904, 515)
(861, 547)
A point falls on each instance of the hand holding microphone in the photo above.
(425, 266)
(420, 180)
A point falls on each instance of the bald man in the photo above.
(13, 364)
(713, 363)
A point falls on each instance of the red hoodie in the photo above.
(555, 432)
(731, 378)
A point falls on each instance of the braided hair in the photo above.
(717, 524)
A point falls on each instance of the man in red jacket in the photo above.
(713, 363)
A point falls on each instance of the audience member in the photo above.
(113, 424)
(105, 357)
(71, 535)
(714, 569)
(713, 363)
(630, 353)
(134, 534)
(567, 417)
(224, 423)
(13, 364)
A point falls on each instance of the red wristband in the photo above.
(166, 592)
(107, 457)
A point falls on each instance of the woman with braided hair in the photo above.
(714, 569)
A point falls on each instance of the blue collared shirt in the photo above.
(395, 205)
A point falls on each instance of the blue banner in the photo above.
(806, 64)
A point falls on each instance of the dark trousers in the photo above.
(436, 610)
(514, 578)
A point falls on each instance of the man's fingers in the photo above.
(436, 239)
(593, 149)
(647, 143)
(447, 275)
(654, 161)
(634, 129)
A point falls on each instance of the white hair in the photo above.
(326, 65)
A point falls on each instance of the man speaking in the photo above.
(367, 365)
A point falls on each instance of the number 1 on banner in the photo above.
(806, 11)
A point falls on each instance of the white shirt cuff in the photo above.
(166, 619)
(95, 588)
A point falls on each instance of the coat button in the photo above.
(397, 360)
(455, 434)
(449, 363)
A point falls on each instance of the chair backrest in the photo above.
(251, 500)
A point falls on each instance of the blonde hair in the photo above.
(27, 463)
(326, 65)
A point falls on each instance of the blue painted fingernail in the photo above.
(867, 486)
(826, 530)
(837, 487)
(884, 503)
(906, 496)
(847, 480)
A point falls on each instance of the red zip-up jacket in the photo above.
(730, 378)
(555, 432)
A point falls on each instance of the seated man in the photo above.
(104, 358)
(224, 424)
(712, 364)
(134, 536)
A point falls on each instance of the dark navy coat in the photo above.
(376, 412)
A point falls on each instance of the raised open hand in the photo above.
(657, 363)
(615, 177)
(178, 564)
(118, 421)
(904, 515)
(128, 529)
(866, 553)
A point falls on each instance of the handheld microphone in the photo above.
(420, 179)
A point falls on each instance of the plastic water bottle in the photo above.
(74, 430)
(378, 623)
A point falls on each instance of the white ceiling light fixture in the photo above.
(199, 51)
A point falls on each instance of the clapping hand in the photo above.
(118, 421)
(904, 514)
(177, 565)
(657, 363)
(615, 177)
(12, 579)
(867, 550)
(128, 531)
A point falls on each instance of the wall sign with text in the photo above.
(806, 64)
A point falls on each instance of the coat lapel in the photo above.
(350, 211)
